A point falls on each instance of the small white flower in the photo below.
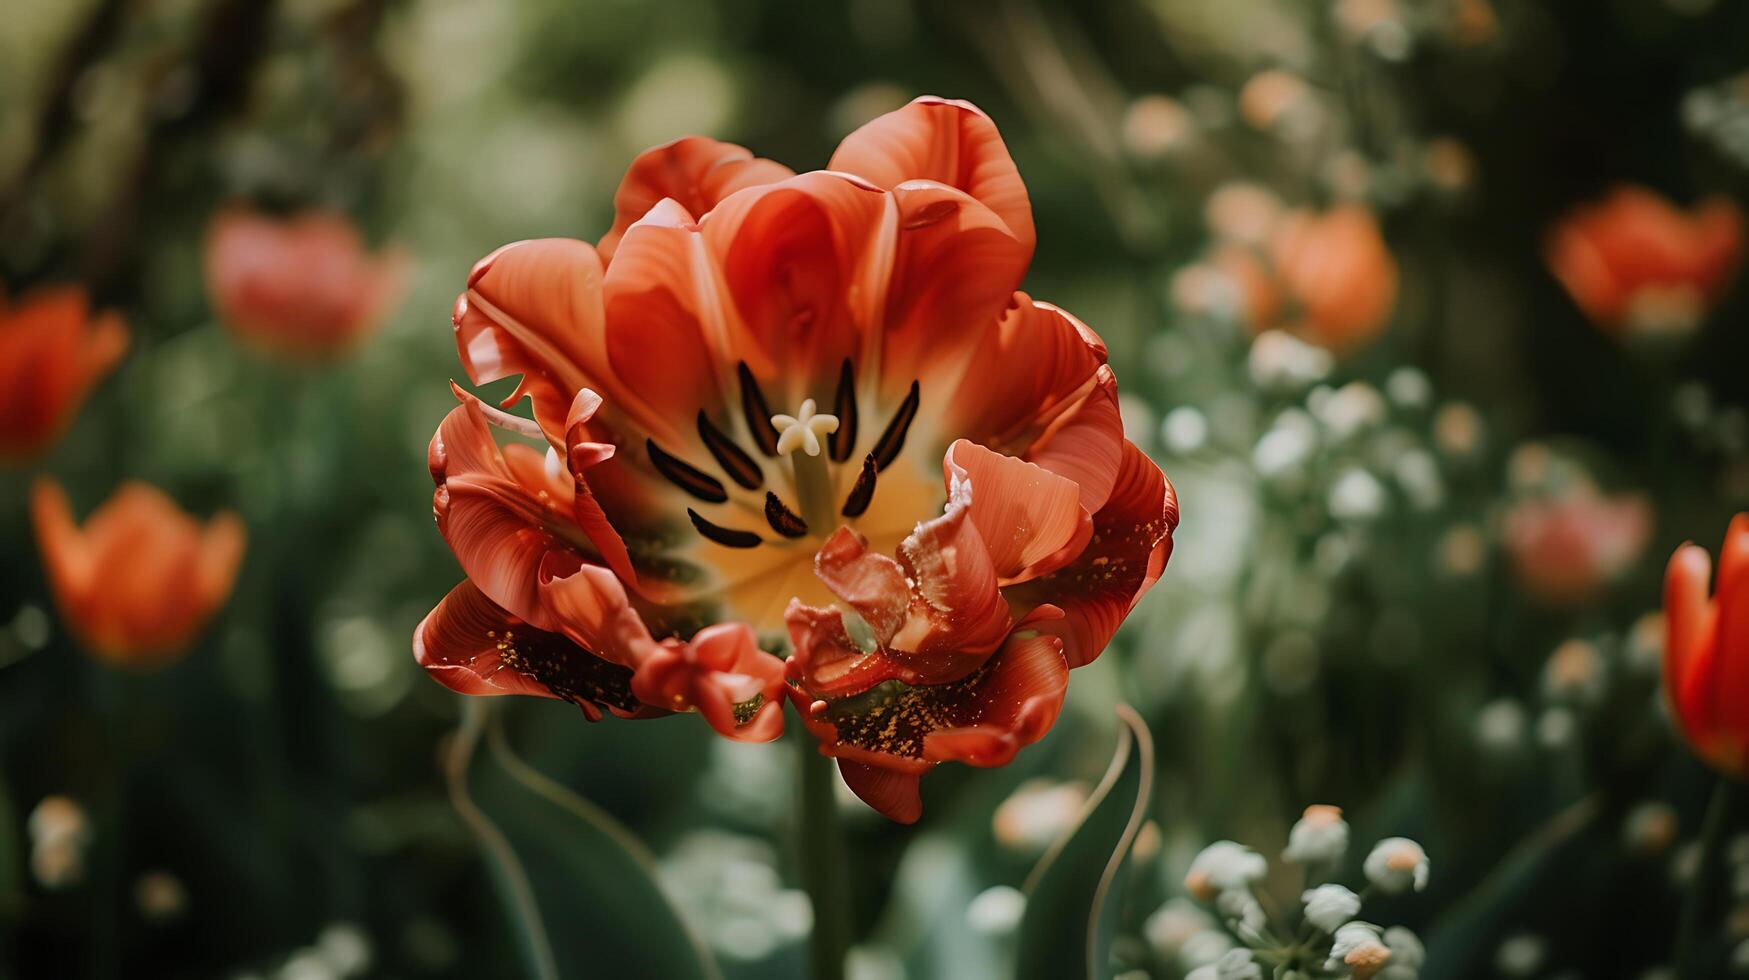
(1286, 447)
(1417, 472)
(1396, 864)
(1184, 430)
(1407, 955)
(1319, 835)
(1520, 955)
(1223, 866)
(1500, 726)
(1358, 947)
(1356, 496)
(996, 910)
(1282, 362)
(1205, 972)
(1205, 947)
(1172, 926)
(1330, 906)
(1409, 388)
(1241, 908)
(1234, 964)
(1348, 410)
(1650, 827)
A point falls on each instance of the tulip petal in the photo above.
(1688, 646)
(1729, 682)
(892, 794)
(887, 736)
(472, 646)
(666, 329)
(1053, 403)
(1030, 519)
(1132, 540)
(947, 141)
(791, 255)
(936, 612)
(954, 268)
(534, 308)
(737, 687)
(696, 171)
(502, 519)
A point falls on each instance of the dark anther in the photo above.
(726, 537)
(863, 491)
(700, 484)
(844, 406)
(783, 520)
(730, 457)
(893, 440)
(758, 413)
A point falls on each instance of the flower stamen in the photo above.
(802, 431)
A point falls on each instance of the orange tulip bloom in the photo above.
(142, 577)
(1568, 547)
(51, 352)
(1336, 273)
(811, 408)
(1634, 263)
(1706, 650)
(303, 287)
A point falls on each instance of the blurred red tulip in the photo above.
(302, 287)
(1634, 263)
(142, 577)
(1337, 274)
(1706, 650)
(1566, 547)
(963, 524)
(51, 352)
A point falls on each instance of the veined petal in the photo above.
(955, 265)
(889, 792)
(696, 171)
(1132, 539)
(500, 519)
(534, 308)
(1029, 518)
(792, 255)
(737, 687)
(666, 332)
(472, 646)
(936, 611)
(947, 141)
(888, 735)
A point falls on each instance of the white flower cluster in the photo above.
(1226, 877)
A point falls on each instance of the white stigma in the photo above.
(803, 430)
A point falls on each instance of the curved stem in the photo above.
(824, 873)
(492, 840)
(1695, 903)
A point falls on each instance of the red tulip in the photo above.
(807, 407)
(1634, 263)
(1706, 650)
(51, 352)
(1337, 273)
(303, 287)
(141, 578)
(1567, 547)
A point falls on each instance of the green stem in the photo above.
(824, 873)
(511, 873)
(1689, 965)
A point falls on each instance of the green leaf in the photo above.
(579, 888)
(1070, 918)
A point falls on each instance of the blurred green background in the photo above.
(283, 782)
